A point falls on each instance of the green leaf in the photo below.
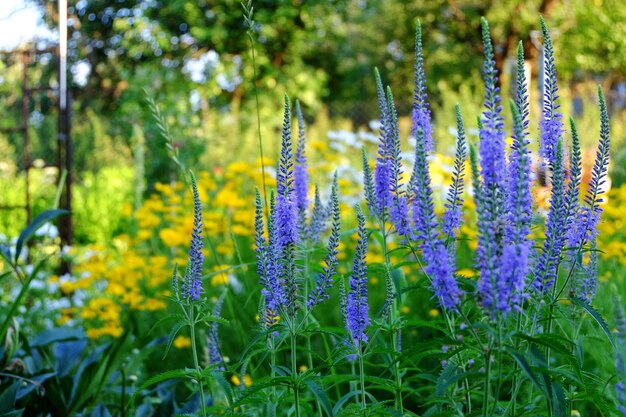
(39, 221)
(226, 387)
(172, 335)
(215, 319)
(7, 398)
(163, 376)
(321, 396)
(596, 316)
(56, 335)
(523, 363)
(169, 317)
(5, 274)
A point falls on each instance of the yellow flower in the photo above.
(171, 237)
(181, 342)
(405, 309)
(246, 380)
(466, 272)
(433, 312)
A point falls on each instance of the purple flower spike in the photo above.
(215, 356)
(420, 116)
(192, 280)
(493, 187)
(551, 124)
(301, 173)
(325, 279)
(356, 309)
(286, 212)
(452, 217)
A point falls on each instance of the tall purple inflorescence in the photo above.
(420, 116)
(356, 308)
(516, 245)
(551, 124)
(301, 173)
(267, 258)
(439, 264)
(399, 210)
(547, 266)
(192, 281)
(318, 218)
(215, 356)
(383, 173)
(490, 205)
(325, 278)
(585, 226)
(573, 190)
(453, 214)
(286, 212)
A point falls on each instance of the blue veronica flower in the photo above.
(300, 172)
(440, 265)
(573, 191)
(399, 210)
(215, 356)
(317, 225)
(368, 184)
(453, 213)
(423, 208)
(267, 256)
(490, 205)
(383, 173)
(286, 213)
(192, 280)
(586, 224)
(325, 278)
(546, 268)
(420, 116)
(589, 282)
(516, 250)
(551, 125)
(356, 309)
(521, 91)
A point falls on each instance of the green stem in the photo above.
(258, 121)
(487, 382)
(499, 378)
(294, 370)
(362, 380)
(194, 353)
(309, 354)
(273, 365)
(395, 334)
(515, 387)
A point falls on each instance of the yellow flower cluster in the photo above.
(133, 274)
(612, 227)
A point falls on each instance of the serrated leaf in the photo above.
(523, 363)
(169, 317)
(164, 376)
(321, 396)
(228, 391)
(596, 316)
(172, 335)
(215, 319)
